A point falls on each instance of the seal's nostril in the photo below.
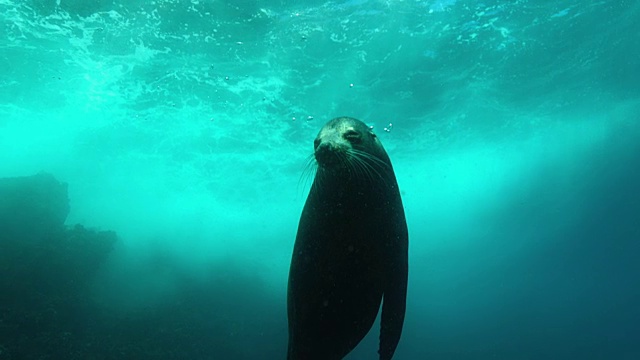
(325, 153)
(327, 147)
(322, 150)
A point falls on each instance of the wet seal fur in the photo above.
(351, 250)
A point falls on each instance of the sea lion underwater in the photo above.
(351, 249)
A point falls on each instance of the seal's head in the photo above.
(348, 143)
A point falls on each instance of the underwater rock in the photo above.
(47, 271)
(32, 207)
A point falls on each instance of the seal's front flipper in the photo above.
(393, 309)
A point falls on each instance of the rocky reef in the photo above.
(46, 267)
(49, 308)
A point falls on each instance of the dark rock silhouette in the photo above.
(32, 207)
(46, 268)
(51, 273)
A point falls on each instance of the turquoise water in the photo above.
(185, 126)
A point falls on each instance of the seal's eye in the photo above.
(316, 143)
(353, 136)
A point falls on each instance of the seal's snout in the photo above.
(327, 153)
(324, 153)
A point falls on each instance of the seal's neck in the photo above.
(344, 184)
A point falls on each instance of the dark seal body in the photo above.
(351, 249)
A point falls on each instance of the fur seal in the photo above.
(351, 249)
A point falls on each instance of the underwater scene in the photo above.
(156, 156)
